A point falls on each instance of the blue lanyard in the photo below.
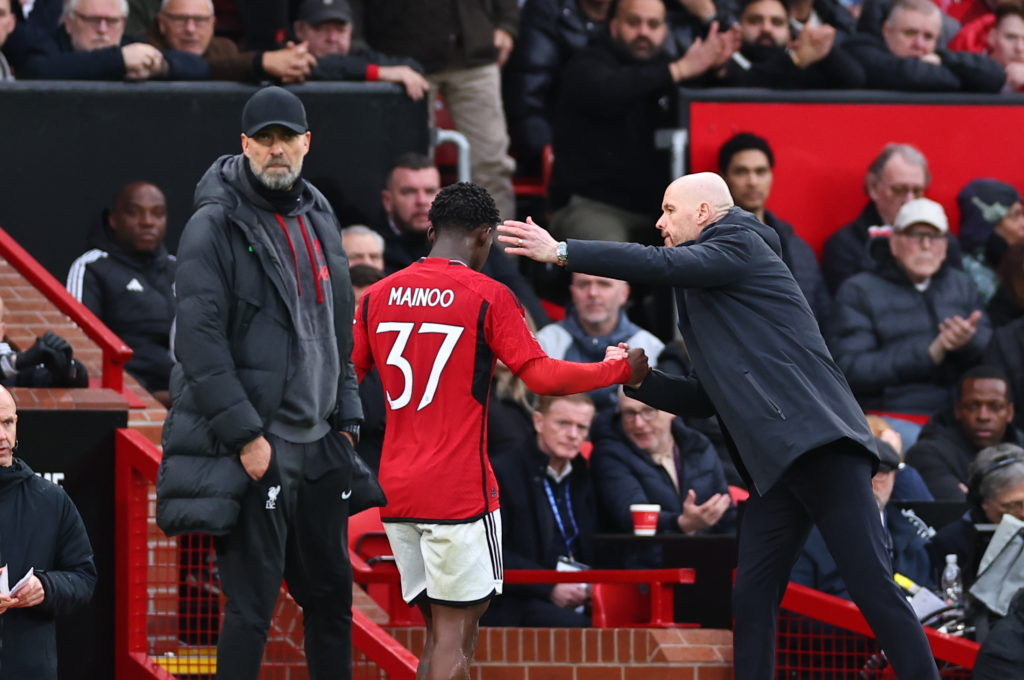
(569, 540)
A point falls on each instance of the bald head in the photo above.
(691, 203)
(8, 427)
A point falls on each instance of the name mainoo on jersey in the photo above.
(421, 297)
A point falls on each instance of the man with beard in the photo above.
(615, 94)
(258, 442)
(770, 57)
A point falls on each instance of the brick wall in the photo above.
(29, 315)
(590, 654)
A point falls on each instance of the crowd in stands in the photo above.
(925, 318)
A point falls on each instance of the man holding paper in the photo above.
(46, 556)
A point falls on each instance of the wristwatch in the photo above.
(562, 253)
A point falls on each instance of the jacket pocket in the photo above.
(764, 395)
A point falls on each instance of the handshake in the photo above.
(638, 366)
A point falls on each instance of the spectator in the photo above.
(995, 488)
(1000, 36)
(548, 516)
(897, 175)
(371, 391)
(49, 362)
(91, 45)
(832, 13)
(981, 417)
(883, 333)
(7, 22)
(462, 45)
(407, 194)
(991, 220)
(907, 56)
(909, 484)
(363, 246)
(127, 280)
(326, 27)
(42, 531)
(596, 319)
(510, 417)
(616, 91)
(1007, 351)
(650, 456)
(815, 567)
(187, 25)
(1007, 305)
(747, 164)
(770, 57)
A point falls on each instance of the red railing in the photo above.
(162, 632)
(115, 353)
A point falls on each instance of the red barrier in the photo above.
(115, 353)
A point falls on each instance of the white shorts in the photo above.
(453, 564)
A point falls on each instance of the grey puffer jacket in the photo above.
(881, 328)
(233, 336)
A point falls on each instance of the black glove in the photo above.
(57, 353)
(33, 356)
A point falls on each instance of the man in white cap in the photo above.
(904, 332)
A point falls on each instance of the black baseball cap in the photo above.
(315, 12)
(274, 106)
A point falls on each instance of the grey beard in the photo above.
(277, 182)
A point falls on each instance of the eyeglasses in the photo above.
(645, 414)
(924, 238)
(183, 19)
(904, 189)
(98, 20)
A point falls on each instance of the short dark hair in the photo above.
(364, 275)
(1009, 8)
(463, 207)
(744, 141)
(412, 160)
(613, 8)
(747, 3)
(984, 372)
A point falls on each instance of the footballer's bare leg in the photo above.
(450, 641)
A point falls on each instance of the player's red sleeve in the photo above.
(544, 375)
(362, 358)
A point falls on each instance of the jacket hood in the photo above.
(14, 475)
(738, 217)
(225, 182)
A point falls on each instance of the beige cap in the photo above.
(921, 210)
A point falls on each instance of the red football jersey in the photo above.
(434, 330)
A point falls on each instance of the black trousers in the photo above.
(830, 487)
(293, 525)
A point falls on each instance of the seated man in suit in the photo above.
(650, 456)
(548, 516)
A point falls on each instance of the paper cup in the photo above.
(645, 518)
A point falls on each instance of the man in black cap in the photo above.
(258, 442)
(325, 26)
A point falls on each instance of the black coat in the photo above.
(624, 475)
(132, 293)
(609, 96)
(800, 259)
(40, 528)
(772, 67)
(759, 359)
(958, 72)
(1002, 654)
(1007, 350)
(881, 328)
(231, 372)
(942, 454)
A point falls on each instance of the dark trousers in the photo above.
(293, 525)
(830, 487)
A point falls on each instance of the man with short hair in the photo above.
(759, 364)
(596, 319)
(407, 195)
(7, 22)
(620, 90)
(258, 441)
(1000, 35)
(187, 25)
(771, 57)
(363, 246)
(435, 330)
(548, 516)
(907, 56)
(904, 332)
(651, 456)
(42, 532)
(896, 175)
(127, 280)
(981, 417)
(91, 45)
(326, 27)
(747, 164)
